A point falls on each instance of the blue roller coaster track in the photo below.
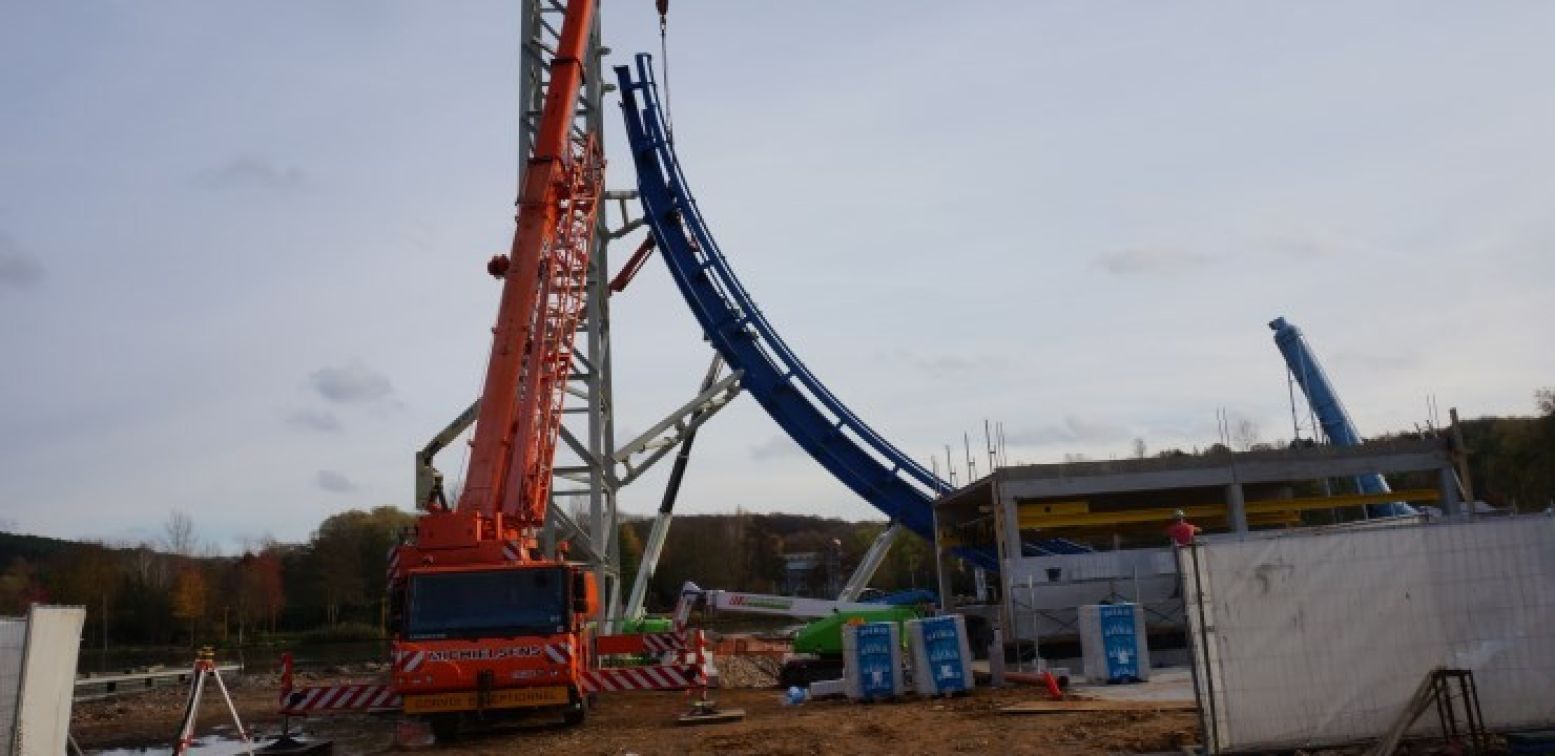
(805, 409)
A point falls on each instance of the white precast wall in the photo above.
(48, 678)
(1320, 638)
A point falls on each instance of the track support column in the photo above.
(1236, 508)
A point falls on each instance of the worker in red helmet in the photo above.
(1182, 531)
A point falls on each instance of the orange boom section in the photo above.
(515, 432)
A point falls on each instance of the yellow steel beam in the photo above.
(1343, 500)
(1056, 507)
(1031, 518)
(1037, 520)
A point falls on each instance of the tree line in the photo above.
(333, 586)
(174, 591)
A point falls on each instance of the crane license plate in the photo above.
(510, 698)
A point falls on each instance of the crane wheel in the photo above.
(445, 727)
(578, 710)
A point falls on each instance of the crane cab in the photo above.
(487, 640)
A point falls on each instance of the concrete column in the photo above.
(996, 657)
(1236, 508)
(941, 574)
(1011, 532)
(1007, 530)
(1447, 484)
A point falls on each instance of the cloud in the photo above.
(322, 421)
(252, 172)
(17, 268)
(1305, 247)
(776, 447)
(942, 365)
(1379, 360)
(1073, 430)
(1151, 261)
(334, 482)
(352, 384)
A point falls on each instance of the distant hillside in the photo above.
(29, 547)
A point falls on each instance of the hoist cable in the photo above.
(664, 61)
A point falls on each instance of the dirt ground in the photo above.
(644, 723)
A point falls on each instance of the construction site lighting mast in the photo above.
(484, 619)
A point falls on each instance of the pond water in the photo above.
(347, 737)
(219, 742)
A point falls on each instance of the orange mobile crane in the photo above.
(483, 622)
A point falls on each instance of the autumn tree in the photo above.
(272, 588)
(346, 559)
(178, 534)
(189, 597)
(254, 586)
(19, 587)
(91, 575)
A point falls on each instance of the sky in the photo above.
(242, 244)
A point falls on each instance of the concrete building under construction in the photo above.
(1121, 508)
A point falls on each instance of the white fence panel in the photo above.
(13, 638)
(1317, 639)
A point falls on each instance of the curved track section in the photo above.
(806, 410)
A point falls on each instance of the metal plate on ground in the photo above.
(1056, 707)
(712, 717)
(510, 698)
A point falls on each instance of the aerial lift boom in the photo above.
(429, 482)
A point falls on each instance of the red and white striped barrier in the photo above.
(332, 699)
(664, 643)
(668, 677)
(338, 699)
(690, 671)
(640, 643)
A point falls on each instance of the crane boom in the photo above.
(1308, 373)
(483, 620)
(515, 433)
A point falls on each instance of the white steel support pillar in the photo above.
(870, 564)
(590, 468)
(588, 426)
